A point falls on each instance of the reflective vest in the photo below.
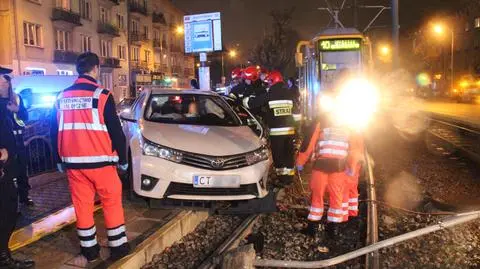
(83, 139)
(333, 144)
(18, 121)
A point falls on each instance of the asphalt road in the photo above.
(469, 113)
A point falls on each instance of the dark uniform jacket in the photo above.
(7, 140)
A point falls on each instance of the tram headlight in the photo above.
(356, 103)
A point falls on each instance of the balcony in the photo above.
(68, 16)
(158, 18)
(66, 57)
(138, 37)
(139, 65)
(108, 62)
(137, 8)
(107, 29)
(174, 48)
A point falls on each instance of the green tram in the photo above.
(321, 59)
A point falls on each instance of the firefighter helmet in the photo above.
(274, 77)
(250, 73)
(237, 73)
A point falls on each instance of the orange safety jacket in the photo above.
(83, 138)
(330, 148)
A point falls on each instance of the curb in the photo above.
(184, 223)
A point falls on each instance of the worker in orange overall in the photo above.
(350, 195)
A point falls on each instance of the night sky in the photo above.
(244, 21)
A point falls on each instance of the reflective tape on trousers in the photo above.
(282, 131)
(89, 243)
(337, 152)
(116, 231)
(90, 159)
(88, 232)
(314, 217)
(117, 243)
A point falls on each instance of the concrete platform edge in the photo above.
(184, 223)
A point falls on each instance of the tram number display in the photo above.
(340, 44)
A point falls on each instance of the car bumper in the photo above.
(175, 181)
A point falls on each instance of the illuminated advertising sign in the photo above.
(340, 44)
(203, 32)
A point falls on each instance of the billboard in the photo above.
(203, 32)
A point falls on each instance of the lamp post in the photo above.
(232, 54)
(439, 30)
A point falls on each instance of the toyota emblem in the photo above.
(217, 163)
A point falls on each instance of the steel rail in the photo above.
(212, 260)
(372, 259)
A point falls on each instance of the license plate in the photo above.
(216, 181)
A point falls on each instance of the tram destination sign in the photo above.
(340, 44)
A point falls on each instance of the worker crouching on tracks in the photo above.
(90, 143)
(279, 101)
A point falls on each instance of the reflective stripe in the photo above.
(116, 231)
(90, 159)
(245, 102)
(280, 103)
(334, 219)
(353, 200)
(353, 208)
(282, 131)
(344, 204)
(345, 212)
(297, 117)
(335, 211)
(314, 217)
(316, 209)
(17, 132)
(334, 143)
(88, 232)
(83, 126)
(117, 243)
(285, 171)
(89, 243)
(95, 115)
(338, 152)
(232, 96)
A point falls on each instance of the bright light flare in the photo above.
(438, 29)
(232, 53)
(385, 50)
(464, 84)
(179, 30)
(355, 104)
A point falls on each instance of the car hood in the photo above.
(207, 140)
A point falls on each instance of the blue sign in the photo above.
(203, 33)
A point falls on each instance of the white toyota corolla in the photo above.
(193, 145)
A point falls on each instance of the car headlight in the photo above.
(258, 155)
(154, 150)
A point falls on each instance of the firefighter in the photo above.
(279, 101)
(237, 85)
(8, 175)
(19, 115)
(90, 143)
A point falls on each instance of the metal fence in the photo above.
(39, 148)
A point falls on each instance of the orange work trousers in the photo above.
(350, 195)
(84, 184)
(334, 183)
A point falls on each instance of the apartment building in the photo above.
(156, 44)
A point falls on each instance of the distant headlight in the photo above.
(154, 150)
(258, 155)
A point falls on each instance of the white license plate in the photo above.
(216, 181)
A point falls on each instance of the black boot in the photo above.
(312, 228)
(116, 253)
(91, 253)
(332, 230)
(7, 262)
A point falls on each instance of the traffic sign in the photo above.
(203, 32)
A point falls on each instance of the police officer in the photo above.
(279, 101)
(90, 143)
(8, 174)
(19, 116)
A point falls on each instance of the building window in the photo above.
(86, 9)
(62, 41)
(135, 54)
(106, 80)
(156, 34)
(148, 56)
(477, 23)
(145, 31)
(64, 73)
(106, 48)
(104, 15)
(135, 26)
(64, 4)
(120, 21)
(86, 43)
(122, 55)
(32, 71)
(32, 34)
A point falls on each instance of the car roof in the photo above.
(160, 90)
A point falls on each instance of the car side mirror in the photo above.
(126, 115)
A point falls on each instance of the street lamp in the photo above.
(232, 53)
(439, 29)
(179, 30)
(385, 50)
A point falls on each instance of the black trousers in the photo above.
(8, 210)
(283, 151)
(22, 177)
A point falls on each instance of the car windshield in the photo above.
(126, 102)
(190, 109)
